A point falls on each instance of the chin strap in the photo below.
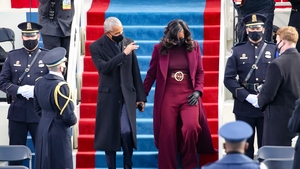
(57, 92)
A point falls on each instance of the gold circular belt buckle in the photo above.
(179, 76)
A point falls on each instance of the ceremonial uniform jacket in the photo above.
(239, 64)
(21, 109)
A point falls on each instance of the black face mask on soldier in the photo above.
(118, 38)
(30, 44)
(255, 36)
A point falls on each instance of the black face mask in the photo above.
(118, 38)
(180, 42)
(30, 44)
(255, 36)
(277, 48)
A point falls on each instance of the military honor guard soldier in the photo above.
(249, 61)
(19, 73)
(53, 102)
(235, 135)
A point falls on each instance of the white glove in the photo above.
(26, 91)
(29, 92)
(256, 105)
(22, 89)
(252, 98)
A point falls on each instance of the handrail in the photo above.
(73, 61)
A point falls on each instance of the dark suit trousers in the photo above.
(18, 134)
(126, 140)
(173, 138)
(256, 124)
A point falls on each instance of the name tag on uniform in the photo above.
(268, 54)
(66, 5)
(17, 63)
(243, 56)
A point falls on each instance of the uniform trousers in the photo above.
(256, 124)
(17, 132)
(126, 142)
(172, 139)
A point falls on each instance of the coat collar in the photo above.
(53, 77)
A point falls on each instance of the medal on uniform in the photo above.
(243, 56)
(17, 63)
(66, 5)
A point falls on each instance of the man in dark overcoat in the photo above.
(294, 126)
(25, 62)
(53, 103)
(244, 88)
(281, 89)
(120, 90)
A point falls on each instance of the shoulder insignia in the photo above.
(239, 43)
(58, 93)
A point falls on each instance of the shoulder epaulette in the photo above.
(43, 49)
(238, 44)
(14, 50)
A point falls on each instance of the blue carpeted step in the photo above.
(140, 159)
(144, 126)
(145, 142)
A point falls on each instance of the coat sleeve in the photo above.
(105, 66)
(68, 114)
(6, 84)
(137, 80)
(199, 79)
(230, 81)
(271, 85)
(151, 73)
(294, 122)
(37, 107)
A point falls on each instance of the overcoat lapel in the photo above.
(164, 64)
(192, 63)
(109, 47)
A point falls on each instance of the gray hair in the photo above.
(110, 22)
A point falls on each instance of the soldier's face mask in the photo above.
(30, 44)
(255, 35)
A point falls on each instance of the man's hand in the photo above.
(130, 48)
(140, 105)
(26, 91)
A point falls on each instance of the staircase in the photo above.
(144, 22)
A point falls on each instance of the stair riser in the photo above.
(91, 78)
(89, 95)
(89, 111)
(209, 63)
(141, 32)
(143, 127)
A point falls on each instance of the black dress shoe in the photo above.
(127, 167)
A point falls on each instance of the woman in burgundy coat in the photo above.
(179, 121)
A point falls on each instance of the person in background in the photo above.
(235, 135)
(294, 126)
(281, 89)
(179, 124)
(247, 7)
(56, 18)
(52, 102)
(120, 91)
(249, 61)
(19, 73)
(294, 18)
